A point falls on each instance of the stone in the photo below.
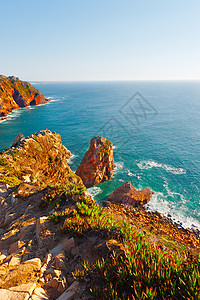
(59, 260)
(127, 194)
(52, 283)
(61, 286)
(20, 137)
(68, 244)
(56, 249)
(12, 198)
(28, 287)
(16, 246)
(57, 273)
(21, 273)
(2, 257)
(48, 277)
(12, 295)
(47, 259)
(9, 217)
(35, 262)
(15, 260)
(26, 189)
(106, 203)
(98, 163)
(70, 292)
(39, 294)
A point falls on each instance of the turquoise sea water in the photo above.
(156, 135)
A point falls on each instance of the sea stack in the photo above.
(127, 194)
(98, 163)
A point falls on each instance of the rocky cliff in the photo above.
(15, 93)
(98, 163)
(40, 159)
(56, 242)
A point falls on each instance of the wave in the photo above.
(172, 194)
(132, 174)
(52, 99)
(119, 166)
(94, 191)
(71, 159)
(149, 164)
(178, 214)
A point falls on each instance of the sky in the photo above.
(93, 40)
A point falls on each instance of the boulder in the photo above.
(98, 163)
(127, 194)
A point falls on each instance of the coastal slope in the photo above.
(15, 93)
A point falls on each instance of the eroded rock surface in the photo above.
(127, 194)
(98, 163)
(40, 159)
(15, 93)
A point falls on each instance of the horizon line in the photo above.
(117, 80)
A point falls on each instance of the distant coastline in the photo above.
(15, 93)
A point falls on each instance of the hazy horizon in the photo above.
(100, 41)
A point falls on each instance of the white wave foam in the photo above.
(179, 214)
(94, 191)
(119, 166)
(70, 160)
(53, 100)
(1, 121)
(172, 194)
(132, 174)
(149, 164)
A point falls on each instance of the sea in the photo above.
(154, 127)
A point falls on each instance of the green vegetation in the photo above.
(11, 180)
(15, 154)
(59, 193)
(143, 271)
(56, 216)
(3, 162)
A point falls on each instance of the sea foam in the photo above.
(94, 191)
(149, 164)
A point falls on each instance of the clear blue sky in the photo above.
(100, 40)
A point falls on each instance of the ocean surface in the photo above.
(154, 126)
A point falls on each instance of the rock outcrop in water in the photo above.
(15, 93)
(98, 163)
(127, 194)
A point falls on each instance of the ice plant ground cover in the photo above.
(140, 270)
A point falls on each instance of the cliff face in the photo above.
(15, 93)
(98, 163)
(40, 159)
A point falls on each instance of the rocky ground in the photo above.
(51, 228)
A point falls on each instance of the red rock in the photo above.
(15, 93)
(98, 163)
(20, 137)
(127, 194)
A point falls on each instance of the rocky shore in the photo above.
(15, 93)
(54, 238)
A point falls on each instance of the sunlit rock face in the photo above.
(127, 194)
(98, 163)
(15, 93)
